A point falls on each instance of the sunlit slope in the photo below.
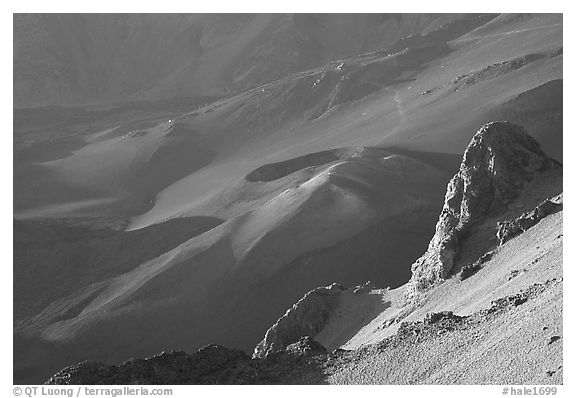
(467, 88)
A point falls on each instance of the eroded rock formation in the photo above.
(497, 163)
(306, 318)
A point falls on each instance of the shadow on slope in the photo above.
(540, 110)
(52, 260)
(274, 171)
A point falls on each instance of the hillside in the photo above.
(65, 59)
(146, 223)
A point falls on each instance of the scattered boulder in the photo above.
(497, 163)
(514, 273)
(506, 230)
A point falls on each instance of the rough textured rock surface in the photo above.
(511, 228)
(499, 160)
(300, 363)
(306, 346)
(446, 321)
(209, 365)
(306, 318)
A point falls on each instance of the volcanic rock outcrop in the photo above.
(497, 163)
(511, 228)
(306, 318)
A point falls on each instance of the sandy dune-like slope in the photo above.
(334, 173)
(244, 271)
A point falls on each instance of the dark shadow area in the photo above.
(540, 111)
(52, 260)
(275, 171)
(442, 161)
(213, 364)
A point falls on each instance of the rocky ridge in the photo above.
(213, 364)
(302, 362)
(511, 228)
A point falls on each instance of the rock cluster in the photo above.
(432, 325)
(306, 346)
(497, 163)
(504, 303)
(506, 230)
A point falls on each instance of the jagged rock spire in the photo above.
(499, 160)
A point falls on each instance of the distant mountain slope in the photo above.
(85, 58)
